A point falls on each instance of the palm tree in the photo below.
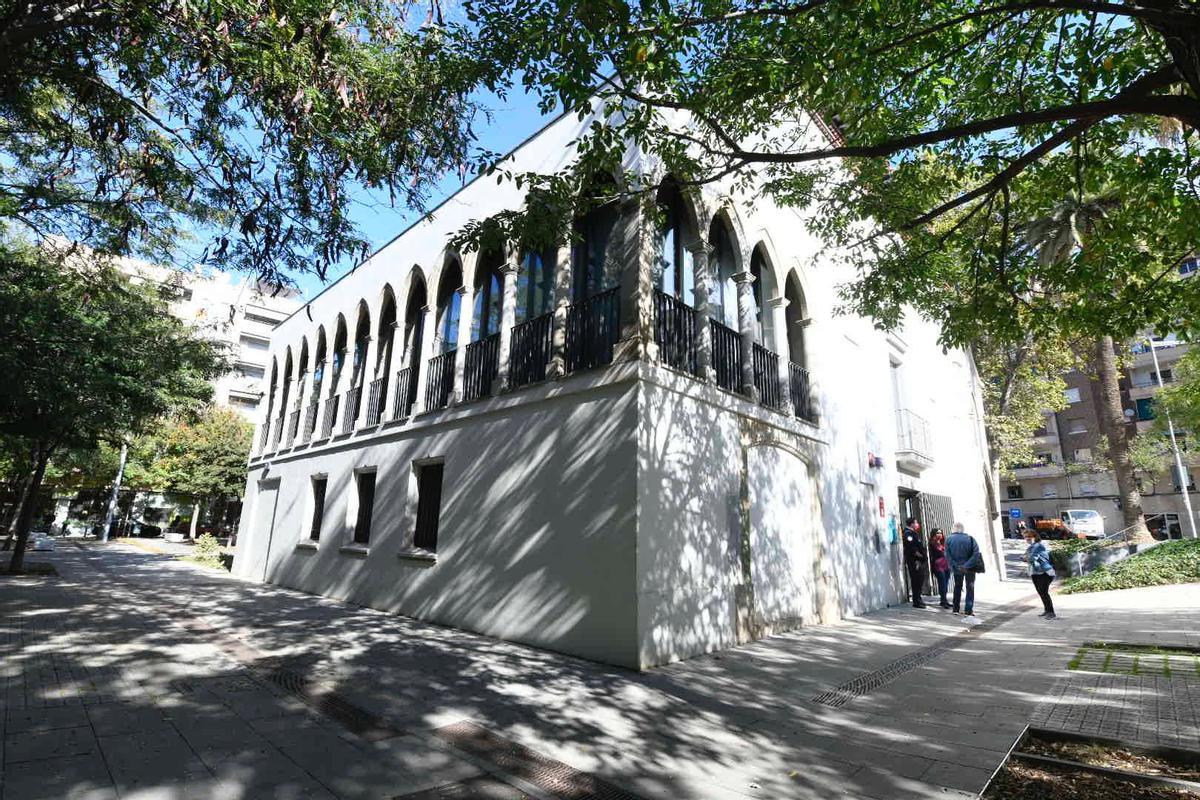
(1054, 239)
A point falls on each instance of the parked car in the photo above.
(1085, 523)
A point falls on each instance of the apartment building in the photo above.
(651, 440)
(1062, 476)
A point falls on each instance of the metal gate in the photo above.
(933, 511)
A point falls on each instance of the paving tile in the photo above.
(957, 776)
(70, 778)
(122, 718)
(23, 720)
(52, 744)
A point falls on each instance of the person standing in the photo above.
(941, 567)
(962, 551)
(915, 559)
(1041, 570)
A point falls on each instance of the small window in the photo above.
(1015, 492)
(318, 511)
(429, 505)
(1175, 481)
(1087, 488)
(1076, 426)
(1083, 455)
(1049, 490)
(366, 506)
(1145, 409)
(1072, 395)
(1189, 266)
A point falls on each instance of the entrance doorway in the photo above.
(932, 511)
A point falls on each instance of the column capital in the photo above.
(509, 269)
(778, 302)
(463, 290)
(743, 278)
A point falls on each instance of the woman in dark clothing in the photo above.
(941, 567)
(1037, 555)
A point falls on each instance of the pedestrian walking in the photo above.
(941, 567)
(966, 561)
(916, 559)
(1041, 570)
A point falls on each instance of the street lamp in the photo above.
(1180, 471)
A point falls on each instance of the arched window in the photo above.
(339, 354)
(535, 284)
(302, 372)
(796, 315)
(362, 338)
(414, 325)
(271, 392)
(286, 386)
(595, 257)
(485, 319)
(387, 335)
(723, 305)
(318, 378)
(673, 268)
(449, 305)
(764, 289)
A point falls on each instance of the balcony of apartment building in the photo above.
(1167, 349)
(914, 446)
(493, 324)
(1042, 465)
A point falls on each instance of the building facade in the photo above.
(1063, 475)
(649, 441)
(234, 310)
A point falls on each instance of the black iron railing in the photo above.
(912, 430)
(293, 427)
(593, 326)
(406, 394)
(766, 377)
(482, 361)
(331, 410)
(310, 418)
(278, 437)
(439, 380)
(530, 350)
(350, 415)
(264, 435)
(727, 356)
(376, 395)
(675, 332)
(800, 389)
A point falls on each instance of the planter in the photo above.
(1081, 563)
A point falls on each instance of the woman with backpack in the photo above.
(1037, 555)
(941, 567)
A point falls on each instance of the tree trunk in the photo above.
(25, 518)
(11, 527)
(195, 520)
(1112, 423)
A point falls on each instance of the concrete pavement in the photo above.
(133, 675)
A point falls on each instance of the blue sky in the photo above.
(514, 119)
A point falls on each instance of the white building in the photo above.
(234, 310)
(554, 447)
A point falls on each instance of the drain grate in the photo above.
(870, 681)
(515, 759)
(328, 703)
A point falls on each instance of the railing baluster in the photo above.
(480, 368)
(310, 419)
(727, 356)
(405, 394)
(593, 326)
(331, 410)
(766, 377)
(375, 398)
(675, 332)
(530, 350)
(441, 380)
(800, 389)
(293, 426)
(353, 401)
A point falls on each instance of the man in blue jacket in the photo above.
(962, 551)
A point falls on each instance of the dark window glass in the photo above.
(366, 504)
(429, 506)
(1015, 492)
(1145, 408)
(318, 515)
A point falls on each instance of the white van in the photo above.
(1084, 522)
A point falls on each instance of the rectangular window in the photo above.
(1049, 490)
(1083, 455)
(1175, 481)
(429, 505)
(318, 512)
(1145, 408)
(366, 505)
(1072, 395)
(1076, 426)
(1015, 492)
(1087, 488)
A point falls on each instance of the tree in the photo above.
(921, 134)
(89, 356)
(205, 457)
(131, 125)
(1182, 399)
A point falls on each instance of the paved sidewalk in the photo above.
(136, 676)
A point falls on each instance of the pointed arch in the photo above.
(796, 316)
(675, 239)
(764, 289)
(488, 295)
(725, 261)
(338, 353)
(319, 356)
(597, 244)
(449, 301)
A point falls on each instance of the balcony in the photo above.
(440, 379)
(480, 367)
(675, 332)
(1042, 467)
(375, 396)
(914, 451)
(406, 394)
(727, 356)
(529, 350)
(593, 326)
(766, 377)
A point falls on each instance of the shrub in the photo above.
(207, 552)
(1170, 562)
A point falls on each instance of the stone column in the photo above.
(366, 372)
(702, 273)
(746, 324)
(508, 318)
(563, 272)
(637, 253)
(777, 308)
(428, 334)
(466, 313)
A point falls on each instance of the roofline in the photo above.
(423, 217)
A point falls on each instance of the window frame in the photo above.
(420, 540)
(354, 509)
(316, 511)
